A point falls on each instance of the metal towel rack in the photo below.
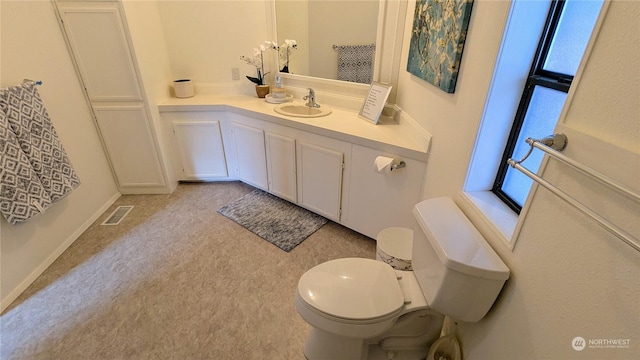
(552, 146)
(37, 82)
(336, 47)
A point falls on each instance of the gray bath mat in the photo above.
(280, 222)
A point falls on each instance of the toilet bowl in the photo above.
(351, 302)
(355, 303)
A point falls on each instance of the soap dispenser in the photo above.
(278, 92)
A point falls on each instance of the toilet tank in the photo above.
(459, 273)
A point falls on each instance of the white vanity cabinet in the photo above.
(281, 166)
(382, 199)
(195, 143)
(299, 166)
(331, 176)
(251, 159)
(200, 149)
(320, 179)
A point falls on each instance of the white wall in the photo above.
(152, 55)
(569, 277)
(205, 39)
(453, 119)
(33, 47)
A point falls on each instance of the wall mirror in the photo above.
(318, 25)
(322, 30)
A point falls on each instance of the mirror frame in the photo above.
(391, 23)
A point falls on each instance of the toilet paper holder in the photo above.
(387, 164)
(398, 165)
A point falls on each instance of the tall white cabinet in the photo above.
(100, 44)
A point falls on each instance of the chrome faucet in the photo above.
(311, 99)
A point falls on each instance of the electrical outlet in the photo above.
(235, 73)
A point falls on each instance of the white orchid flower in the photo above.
(290, 43)
(257, 60)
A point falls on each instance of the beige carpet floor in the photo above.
(175, 280)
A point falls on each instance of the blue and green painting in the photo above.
(437, 39)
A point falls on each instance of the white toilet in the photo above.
(354, 303)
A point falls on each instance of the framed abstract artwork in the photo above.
(437, 39)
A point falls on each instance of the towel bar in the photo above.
(37, 82)
(551, 146)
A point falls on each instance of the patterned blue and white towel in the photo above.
(355, 63)
(35, 169)
(22, 195)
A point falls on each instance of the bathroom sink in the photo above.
(302, 111)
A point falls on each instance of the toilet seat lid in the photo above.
(352, 288)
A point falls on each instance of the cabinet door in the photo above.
(378, 200)
(251, 161)
(126, 135)
(100, 47)
(200, 147)
(281, 166)
(320, 179)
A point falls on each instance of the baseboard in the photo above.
(4, 303)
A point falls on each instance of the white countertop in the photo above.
(402, 139)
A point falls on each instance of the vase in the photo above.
(262, 90)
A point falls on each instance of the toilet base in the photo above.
(321, 345)
(376, 353)
(408, 339)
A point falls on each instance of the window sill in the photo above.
(494, 219)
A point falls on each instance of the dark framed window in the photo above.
(560, 50)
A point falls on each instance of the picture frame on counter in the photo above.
(374, 102)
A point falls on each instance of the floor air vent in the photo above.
(117, 215)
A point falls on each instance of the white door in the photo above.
(127, 137)
(251, 160)
(101, 50)
(200, 147)
(320, 179)
(100, 47)
(281, 166)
